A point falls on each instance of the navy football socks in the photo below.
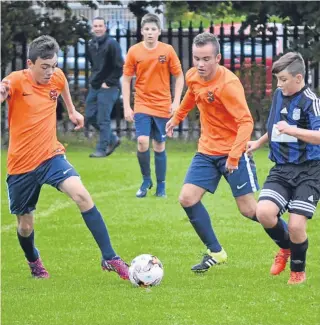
(144, 162)
(97, 226)
(201, 222)
(27, 245)
(160, 160)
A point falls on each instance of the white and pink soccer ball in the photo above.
(146, 270)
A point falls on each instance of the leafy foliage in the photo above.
(21, 23)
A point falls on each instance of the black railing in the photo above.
(249, 53)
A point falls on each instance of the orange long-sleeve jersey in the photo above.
(152, 68)
(226, 122)
(32, 121)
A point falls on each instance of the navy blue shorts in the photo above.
(205, 171)
(151, 126)
(24, 189)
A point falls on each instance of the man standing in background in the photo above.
(106, 70)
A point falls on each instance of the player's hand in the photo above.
(128, 114)
(252, 146)
(174, 107)
(169, 128)
(105, 86)
(77, 119)
(4, 90)
(230, 168)
(283, 127)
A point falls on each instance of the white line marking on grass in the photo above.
(60, 206)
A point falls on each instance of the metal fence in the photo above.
(247, 52)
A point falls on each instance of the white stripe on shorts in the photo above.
(275, 195)
(250, 173)
(301, 205)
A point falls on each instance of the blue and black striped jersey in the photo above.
(301, 110)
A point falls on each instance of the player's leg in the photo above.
(23, 193)
(59, 173)
(202, 176)
(25, 234)
(243, 183)
(143, 129)
(158, 134)
(273, 202)
(298, 247)
(160, 161)
(91, 109)
(302, 206)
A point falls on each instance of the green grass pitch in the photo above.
(240, 292)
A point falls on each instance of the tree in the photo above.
(296, 13)
(20, 23)
(255, 13)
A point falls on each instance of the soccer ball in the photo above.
(146, 271)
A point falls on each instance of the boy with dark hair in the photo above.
(35, 157)
(293, 184)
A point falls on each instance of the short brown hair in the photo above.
(150, 18)
(292, 62)
(43, 47)
(207, 38)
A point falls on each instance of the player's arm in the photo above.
(129, 70)
(187, 104)
(176, 71)
(308, 136)
(233, 99)
(312, 135)
(74, 116)
(177, 92)
(4, 90)
(126, 91)
(254, 145)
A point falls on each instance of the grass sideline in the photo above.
(239, 293)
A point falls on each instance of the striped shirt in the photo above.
(301, 110)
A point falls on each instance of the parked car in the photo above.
(261, 73)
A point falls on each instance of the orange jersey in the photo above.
(32, 120)
(226, 122)
(152, 68)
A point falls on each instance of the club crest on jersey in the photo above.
(210, 96)
(162, 58)
(296, 114)
(53, 94)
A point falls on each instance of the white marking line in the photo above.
(60, 206)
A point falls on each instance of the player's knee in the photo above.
(80, 197)
(186, 200)
(158, 146)
(264, 216)
(143, 143)
(295, 228)
(248, 211)
(25, 229)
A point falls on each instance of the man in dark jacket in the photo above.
(106, 70)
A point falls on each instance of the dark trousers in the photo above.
(99, 106)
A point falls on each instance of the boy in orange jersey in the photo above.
(152, 62)
(226, 127)
(35, 157)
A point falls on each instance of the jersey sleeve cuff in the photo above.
(233, 161)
